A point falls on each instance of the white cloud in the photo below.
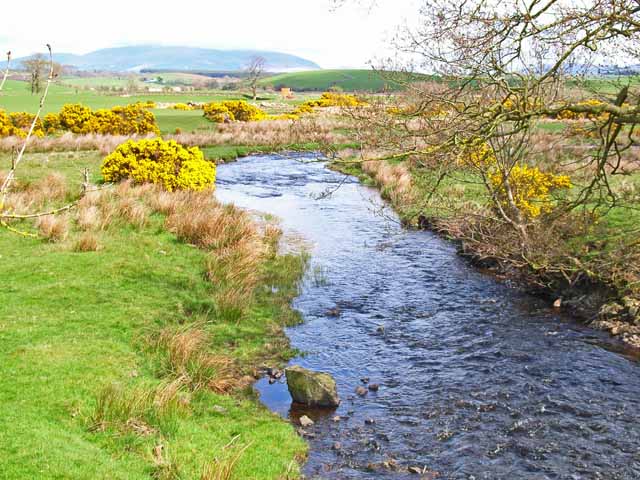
(349, 36)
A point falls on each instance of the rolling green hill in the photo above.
(348, 80)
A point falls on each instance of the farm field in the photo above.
(17, 97)
(347, 80)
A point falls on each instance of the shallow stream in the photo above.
(477, 380)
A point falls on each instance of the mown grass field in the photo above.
(76, 325)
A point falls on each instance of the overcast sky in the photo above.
(348, 37)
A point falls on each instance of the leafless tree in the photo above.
(38, 67)
(254, 70)
(501, 68)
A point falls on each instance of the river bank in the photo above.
(125, 353)
(602, 301)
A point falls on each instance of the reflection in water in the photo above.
(476, 380)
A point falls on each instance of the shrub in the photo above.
(239, 110)
(129, 120)
(51, 123)
(218, 113)
(74, 116)
(157, 161)
(18, 124)
(6, 126)
(531, 188)
(181, 106)
(23, 121)
(329, 99)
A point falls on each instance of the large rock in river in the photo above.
(316, 389)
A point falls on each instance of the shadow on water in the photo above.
(476, 380)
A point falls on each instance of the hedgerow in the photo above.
(163, 162)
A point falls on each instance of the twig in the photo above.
(7, 182)
(39, 214)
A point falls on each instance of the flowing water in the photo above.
(476, 379)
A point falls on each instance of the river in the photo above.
(477, 380)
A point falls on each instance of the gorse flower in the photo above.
(163, 162)
(233, 110)
(531, 189)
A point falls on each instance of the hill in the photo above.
(137, 58)
(348, 80)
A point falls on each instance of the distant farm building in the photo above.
(286, 92)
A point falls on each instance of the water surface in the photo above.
(476, 379)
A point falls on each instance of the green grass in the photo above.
(17, 97)
(72, 324)
(348, 80)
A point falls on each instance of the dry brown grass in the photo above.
(186, 354)
(272, 132)
(222, 469)
(236, 247)
(210, 225)
(53, 228)
(88, 216)
(143, 411)
(132, 211)
(87, 242)
(395, 180)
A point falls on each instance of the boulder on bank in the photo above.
(315, 389)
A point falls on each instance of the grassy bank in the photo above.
(124, 352)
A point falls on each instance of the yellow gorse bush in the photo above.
(570, 115)
(531, 189)
(329, 99)
(162, 162)
(478, 154)
(233, 110)
(128, 120)
(18, 124)
(181, 106)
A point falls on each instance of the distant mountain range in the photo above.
(149, 57)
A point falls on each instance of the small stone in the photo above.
(557, 303)
(277, 374)
(333, 312)
(272, 380)
(336, 418)
(337, 446)
(365, 380)
(374, 387)
(361, 391)
(416, 470)
(306, 421)
(219, 409)
(380, 329)
(369, 421)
